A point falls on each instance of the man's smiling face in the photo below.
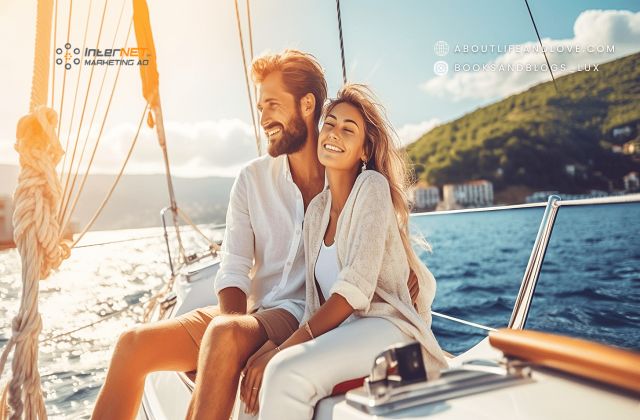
(281, 118)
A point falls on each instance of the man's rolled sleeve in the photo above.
(238, 245)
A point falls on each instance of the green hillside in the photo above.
(528, 138)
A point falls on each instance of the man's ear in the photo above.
(308, 104)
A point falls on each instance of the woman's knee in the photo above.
(284, 365)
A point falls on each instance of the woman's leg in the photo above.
(163, 345)
(298, 377)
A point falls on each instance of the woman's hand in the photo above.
(253, 373)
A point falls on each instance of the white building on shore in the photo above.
(631, 181)
(478, 193)
(6, 224)
(425, 196)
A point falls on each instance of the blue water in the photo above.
(589, 285)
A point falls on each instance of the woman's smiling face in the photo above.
(342, 138)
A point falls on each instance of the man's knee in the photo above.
(130, 346)
(129, 340)
(230, 336)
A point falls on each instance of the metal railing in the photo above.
(532, 272)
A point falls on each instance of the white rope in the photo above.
(36, 230)
(36, 233)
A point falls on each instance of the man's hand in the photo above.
(414, 287)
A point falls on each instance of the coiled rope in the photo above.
(36, 229)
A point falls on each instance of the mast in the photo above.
(151, 92)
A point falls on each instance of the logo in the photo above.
(440, 68)
(68, 56)
(130, 56)
(441, 48)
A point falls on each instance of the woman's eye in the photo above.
(348, 131)
(328, 124)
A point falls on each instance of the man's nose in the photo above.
(264, 119)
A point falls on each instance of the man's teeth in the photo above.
(272, 132)
(332, 148)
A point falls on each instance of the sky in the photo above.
(388, 44)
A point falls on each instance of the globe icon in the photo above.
(441, 48)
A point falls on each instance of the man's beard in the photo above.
(292, 139)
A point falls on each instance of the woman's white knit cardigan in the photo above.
(373, 263)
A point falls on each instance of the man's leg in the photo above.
(163, 345)
(227, 344)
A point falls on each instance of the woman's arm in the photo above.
(331, 314)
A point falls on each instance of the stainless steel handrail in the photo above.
(532, 272)
(627, 198)
(166, 237)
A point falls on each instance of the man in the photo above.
(262, 257)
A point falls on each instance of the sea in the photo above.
(589, 287)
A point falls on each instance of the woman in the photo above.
(357, 250)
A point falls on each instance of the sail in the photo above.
(144, 37)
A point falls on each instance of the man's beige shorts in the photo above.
(278, 323)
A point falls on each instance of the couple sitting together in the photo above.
(317, 276)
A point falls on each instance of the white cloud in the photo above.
(592, 28)
(204, 148)
(409, 133)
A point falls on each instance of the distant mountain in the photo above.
(138, 199)
(527, 140)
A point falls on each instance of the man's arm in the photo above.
(232, 301)
(232, 282)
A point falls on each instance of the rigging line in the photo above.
(541, 46)
(64, 84)
(95, 147)
(53, 73)
(104, 318)
(84, 107)
(95, 111)
(119, 241)
(246, 78)
(344, 67)
(255, 89)
(186, 218)
(462, 321)
(73, 113)
(115, 182)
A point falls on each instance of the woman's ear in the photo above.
(308, 104)
(366, 150)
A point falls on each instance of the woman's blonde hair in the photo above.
(385, 156)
